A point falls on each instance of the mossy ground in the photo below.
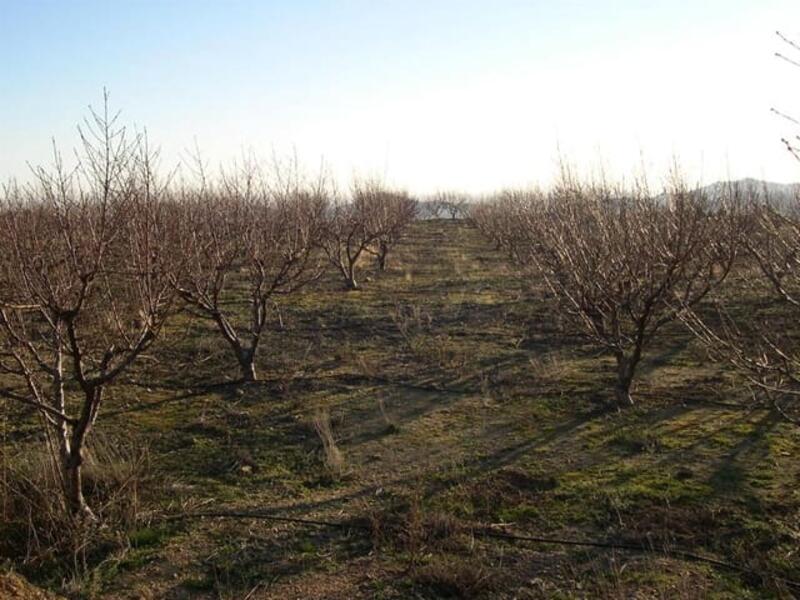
(455, 393)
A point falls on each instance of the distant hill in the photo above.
(779, 193)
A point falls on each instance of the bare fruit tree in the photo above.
(396, 210)
(431, 207)
(499, 219)
(453, 203)
(246, 231)
(762, 344)
(84, 285)
(623, 263)
(356, 226)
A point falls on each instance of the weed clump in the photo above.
(40, 535)
(332, 456)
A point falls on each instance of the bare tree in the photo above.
(453, 203)
(431, 207)
(761, 343)
(499, 219)
(84, 285)
(623, 263)
(396, 210)
(354, 227)
(246, 231)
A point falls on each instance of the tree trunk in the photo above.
(351, 282)
(247, 361)
(622, 390)
(622, 394)
(245, 355)
(73, 485)
(248, 368)
(72, 454)
(71, 460)
(383, 254)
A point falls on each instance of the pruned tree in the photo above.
(396, 210)
(431, 207)
(84, 285)
(356, 226)
(623, 263)
(247, 231)
(762, 343)
(453, 203)
(498, 219)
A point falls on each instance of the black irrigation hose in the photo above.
(683, 554)
(489, 533)
(214, 514)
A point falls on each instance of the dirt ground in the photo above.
(461, 408)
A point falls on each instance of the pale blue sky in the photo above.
(433, 94)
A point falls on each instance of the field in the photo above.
(465, 416)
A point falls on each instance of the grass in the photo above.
(454, 396)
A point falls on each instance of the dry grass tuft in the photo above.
(36, 528)
(456, 577)
(332, 457)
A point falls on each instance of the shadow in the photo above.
(227, 387)
(268, 556)
(665, 357)
(512, 453)
(730, 475)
